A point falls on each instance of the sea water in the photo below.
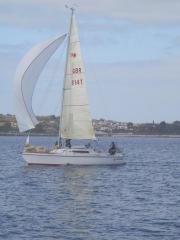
(136, 201)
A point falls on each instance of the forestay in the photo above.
(76, 122)
(26, 77)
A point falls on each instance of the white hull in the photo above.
(69, 159)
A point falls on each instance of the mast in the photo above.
(67, 52)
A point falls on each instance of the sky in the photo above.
(131, 50)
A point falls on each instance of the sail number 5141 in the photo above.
(77, 82)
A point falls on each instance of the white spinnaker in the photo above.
(26, 77)
(76, 122)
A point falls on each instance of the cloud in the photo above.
(52, 13)
(28, 14)
(137, 91)
(10, 48)
(164, 69)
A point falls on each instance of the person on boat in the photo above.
(68, 143)
(112, 149)
(88, 145)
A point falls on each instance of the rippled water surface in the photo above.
(136, 201)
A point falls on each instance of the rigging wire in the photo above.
(57, 107)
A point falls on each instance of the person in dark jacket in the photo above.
(68, 143)
(112, 149)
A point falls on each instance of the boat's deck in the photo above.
(74, 151)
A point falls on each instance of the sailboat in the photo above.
(75, 117)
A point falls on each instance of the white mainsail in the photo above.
(26, 77)
(76, 122)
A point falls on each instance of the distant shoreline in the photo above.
(147, 135)
(103, 135)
